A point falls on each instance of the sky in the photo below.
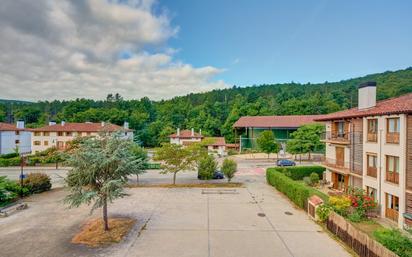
(89, 48)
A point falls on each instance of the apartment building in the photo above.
(58, 135)
(370, 147)
(14, 138)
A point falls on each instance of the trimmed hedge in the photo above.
(299, 172)
(295, 191)
(14, 161)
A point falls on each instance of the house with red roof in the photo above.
(370, 147)
(248, 128)
(58, 135)
(14, 137)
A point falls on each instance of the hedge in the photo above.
(299, 172)
(14, 161)
(295, 191)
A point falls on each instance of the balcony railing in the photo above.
(392, 177)
(392, 137)
(372, 137)
(335, 136)
(337, 164)
(371, 171)
(392, 214)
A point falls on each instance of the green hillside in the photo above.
(214, 112)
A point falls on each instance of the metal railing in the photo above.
(392, 177)
(372, 171)
(336, 136)
(337, 164)
(392, 138)
(372, 137)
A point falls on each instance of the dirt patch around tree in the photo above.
(92, 233)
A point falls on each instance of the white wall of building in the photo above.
(12, 140)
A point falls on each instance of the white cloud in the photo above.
(68, 49)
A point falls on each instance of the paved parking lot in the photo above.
(251, 221)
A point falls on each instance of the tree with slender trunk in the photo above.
(267, 143)
(100, 170)
(176, 158)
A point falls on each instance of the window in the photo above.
(46, 142)
(17, 142)
(46, 134)
(392, 207)
(37, 134)
(371, 192)
(89, 133)
(371, 165)
(340, 128)
(17, 133)
(60, 134)
(393, 125)
(392, 169)
(372, 130)
(69, 134)
(36, 142)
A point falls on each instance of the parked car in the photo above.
(285, 162)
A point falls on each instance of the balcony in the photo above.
(392, 137)
(336, 137)
(372, 137)
(337, 165)
(392, 214)
(392, 177)
(371, 172)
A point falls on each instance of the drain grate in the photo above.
(219, 191)
(261, 214)
(288, 213)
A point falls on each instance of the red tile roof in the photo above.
(216, 141)
(8, 127)
(398, 105)
(289, 121)
(81, 127)
(186, 134)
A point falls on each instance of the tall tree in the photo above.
(100, 170)
(307, 139)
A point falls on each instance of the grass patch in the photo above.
(314, 191)
(367, 226)
(92, 233)
(200, 185)
(395, 241)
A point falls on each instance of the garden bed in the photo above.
(194, 185)
(92, 233)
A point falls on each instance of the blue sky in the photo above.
(281, 41)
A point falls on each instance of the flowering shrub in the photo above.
(361, 202)
(340, 204)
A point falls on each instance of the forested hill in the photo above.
(214, 112)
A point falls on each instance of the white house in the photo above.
(185, 137)
(14, 137)
(370, 147)
(58, 135)
(216, 145)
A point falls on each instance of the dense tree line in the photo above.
(214, 112)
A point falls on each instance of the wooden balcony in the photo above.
(372, 172)
(392, 214)
(392, 138)
(337, 165)
(336, 137)
(372, 137)
(392, 177)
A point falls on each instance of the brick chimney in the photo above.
(367, 95)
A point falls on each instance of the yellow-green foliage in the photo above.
(340, 204)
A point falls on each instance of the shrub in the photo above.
(33, 160)
(340, 204)
(296, 192)
(395, 241)
(307, 181)
(37, 182)
(323, 212)
(4, 162)
(314, 178)
(206, 167)
(9, 155)
(299, 172)
(355, 217)
(232, 152)
(9, 190)
(229, 168)
(361, 202)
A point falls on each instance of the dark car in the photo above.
(285, 162)
(216, 175)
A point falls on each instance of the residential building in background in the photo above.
(58, 135)
(185, 137)
(14, 138)
(248, 128)
(370, 147)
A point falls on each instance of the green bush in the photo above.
(395, 241)
(299, 172)
(229, 168)
(9, 190)
(9, 155)
(323, 212)
(37, 182)
(314, 178)
(33, 160)
(4, 162)
(13, 161)
(206, 167)
(296, 192)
